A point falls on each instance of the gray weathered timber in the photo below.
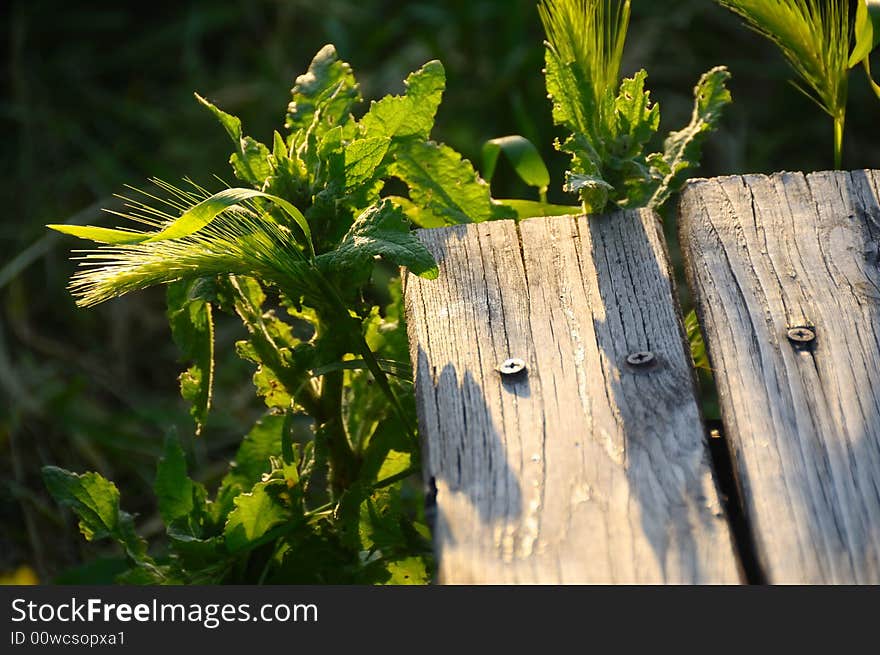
(582, 468)
(767, 254)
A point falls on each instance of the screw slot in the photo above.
(801, 335)
(512, 366)
(641, 358)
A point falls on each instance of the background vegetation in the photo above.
(99, 94)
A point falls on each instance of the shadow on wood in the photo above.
(587, 468)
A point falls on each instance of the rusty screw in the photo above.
(641, 358)
(512, 366)
(801, 335)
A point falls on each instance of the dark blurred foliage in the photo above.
(96, 95)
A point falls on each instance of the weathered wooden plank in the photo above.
(766, 254)
(583, 469)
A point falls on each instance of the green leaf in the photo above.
(254, 515)
(572, 96)
(608, 164)
(147, 574)
(232, 124)
(382, 230)
(283, 361)
(874, 15)
(174, 490)
(250, 161)
(682, 149)
(362, 159)
(577, 183)
(576, 106)
(412, 114)
(191, 221)
(252, 164)
(591, 189)
(322, 98)
(864, 35)
(408, 571)
(252, 459)
(695, 339)
(524, 157)
(197, 557)
(387, 437)
(273, 392)
(192, 326)
(289, 177)
(100, 234)
(531, 209)
(95, 500)
(637, 119)
(867, 31)
(445, 187)
(382, 520)
(395, 463)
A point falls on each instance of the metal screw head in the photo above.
(512, 366)
(801, 335)
(641, 358)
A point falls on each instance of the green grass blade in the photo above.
(190, 222)
(100, 234)
(864, 36)
(867, 34)
(874, 86)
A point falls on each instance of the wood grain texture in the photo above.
(766, 254)
(583, 469)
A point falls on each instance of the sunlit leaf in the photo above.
(322, 97)
(95, 500)
(444, 188)
(255, 513)
(250, 161)
(176, 492)
(523, 156)
(412, 114)
(682, 149)
(381, 231)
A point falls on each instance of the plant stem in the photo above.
(838, 140)
(367, 354)
(344, 463)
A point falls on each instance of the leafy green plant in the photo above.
(610, 126)
(822, 43)
(317, 491)
(318, 488)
